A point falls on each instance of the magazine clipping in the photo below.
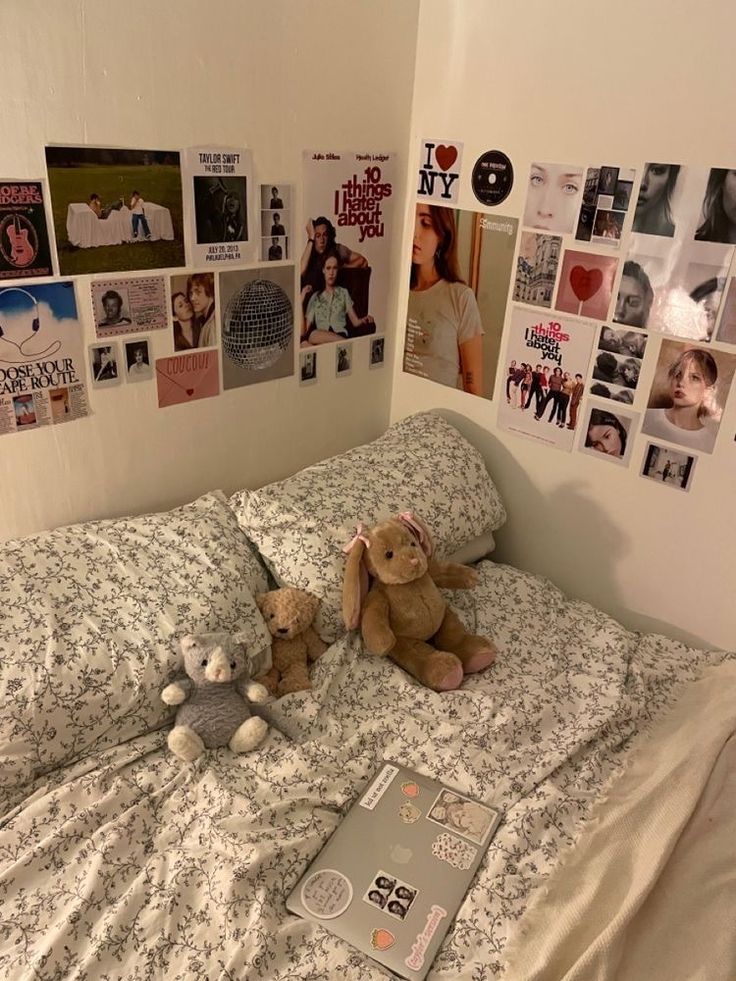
(220, 185)
(42, 357)
(129, 306)
(544, 370)
(24, 236)
(459, 276)
(344, 245)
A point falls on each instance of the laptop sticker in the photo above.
(379, 787)
(454, 851)
(408, 813)
(382, 939)
(415, 960)
(410, 789)
(391, 895)
(466, 817)
(326, 894)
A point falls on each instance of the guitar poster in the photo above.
(24, 237)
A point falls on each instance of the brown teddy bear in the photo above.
(403, 614)
(289, 613)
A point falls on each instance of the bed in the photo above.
(119, 862)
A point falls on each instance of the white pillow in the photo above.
(422, 464)
(90, 620)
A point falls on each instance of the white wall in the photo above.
(276, 75)
(589, 83)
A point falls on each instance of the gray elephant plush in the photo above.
(213, 698)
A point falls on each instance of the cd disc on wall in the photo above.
(493, 177)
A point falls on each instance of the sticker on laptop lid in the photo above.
(382, 939)
(326, 894)
(456, 852)
(408, 813)
(466, 817)
(391, 895)
(410, 789)
(415, 960)
(379, 787)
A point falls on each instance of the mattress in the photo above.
(127, 865)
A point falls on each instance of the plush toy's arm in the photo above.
(452, 575)
(375, 624)
(178, 691)
(315, 645)
(253, 691)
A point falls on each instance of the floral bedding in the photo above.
(124, 864)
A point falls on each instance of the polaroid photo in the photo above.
(463, 816)
(672, 468)
(343, 359)
(104, 365)
(377, 352)
(307, 367)
(138, 365)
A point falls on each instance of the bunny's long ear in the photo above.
(355, 582)
(418, 528)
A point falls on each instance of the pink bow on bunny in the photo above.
(359, 536)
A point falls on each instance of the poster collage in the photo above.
(227, 312)
(607, 258)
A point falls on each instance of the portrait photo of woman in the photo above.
(719, 208)
(444, 335)
(607, 433)
(553, 197)
(653, 215)
(688, 395)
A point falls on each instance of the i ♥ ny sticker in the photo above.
(439, 170)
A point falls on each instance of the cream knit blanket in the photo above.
(648, 892)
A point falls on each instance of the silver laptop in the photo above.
(394, 873)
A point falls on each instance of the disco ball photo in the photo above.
(258, 325)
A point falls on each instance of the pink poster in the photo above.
(586, 283)
(187, 377)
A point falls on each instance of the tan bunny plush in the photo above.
(403, 614)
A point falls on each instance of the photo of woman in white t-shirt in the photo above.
(692, 415)
(444, 337)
